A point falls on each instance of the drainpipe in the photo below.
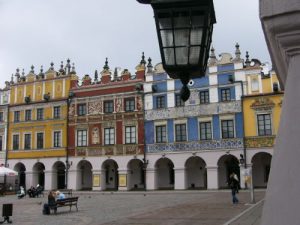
(6, 146)
(67, 141)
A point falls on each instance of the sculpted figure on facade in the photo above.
(118, 104)
(95, 136)
(71, 110)
(139, 103)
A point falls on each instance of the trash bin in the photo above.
(7, 212)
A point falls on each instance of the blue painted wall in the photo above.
(149, 132)
(161, 86)
(224, 78)
(160, 76)
(239, 125)
(178, 85)
(216, 127)
(192, 125)
(227, 67)
(170, 130)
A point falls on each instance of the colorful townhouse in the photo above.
(37, 121)
(262, 108)
(106, 131)
(199, 143)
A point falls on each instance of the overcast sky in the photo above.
(35, 32)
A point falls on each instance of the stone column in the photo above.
(280, 20)
(97, 180)
(242, 176)
(123, 180)
(212, 177)
(150, 179)
(48, 180)
(179, 178)
(72, 179)
(29, 179)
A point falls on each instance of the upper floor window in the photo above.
(264, 124)
(108, 106)
(254, 84)
(129, 105)
(81, 138)
(28, 115)
(225, 94)
(204, 97)
(180, 132)
(40, 114)
(178, 101)
(17, 116)
(1, 116)
(27, 141)
(161, 134)
(1, 143)
(130, 135)
(160, 102)
(16, 142)
(81, 109)
(56, 112)
(40, 140)
(227, 128)
(56, 139)
(205, 131)
(109, 136)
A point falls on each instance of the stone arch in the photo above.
(195, 173)
(226, 165)
(58, 175)
(165, 176)
(136, 175)
(110, 175)
(21, 169)
(84, 175)
(261, 164)
(38, 176)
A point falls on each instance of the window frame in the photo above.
(1, 116)
(162, 131)
(28, 114)
(40, 114)
(57, 139)
(160, 102)
(205, 136)
(16, 116)
(178, 101)
(56, 112)
(264, 130)
(81, 137)
(132, 135)
(108, 106)
(109, 138)
(38, 141)
(228, 132)
(16, 145)
(225, 94)
(27, 141)
(129, 104)
(180, 132)
(204, 97)
(81, 109)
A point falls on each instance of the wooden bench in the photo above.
(64, 203)
(67, 192)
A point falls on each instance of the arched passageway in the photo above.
(261, 164)
(136, 175)
(195, 173)
(84, 175)
(38, 174)
(59, 175)
(227, 164)
(110, 176)
(21, 180)
(165, 176)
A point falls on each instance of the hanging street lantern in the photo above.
(184, 29)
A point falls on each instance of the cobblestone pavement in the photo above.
(135, 208)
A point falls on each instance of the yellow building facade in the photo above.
(261, 108)
(38, 127)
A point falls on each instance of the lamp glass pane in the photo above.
(181, 37)
(181, 56)
(197, 18)
(164, 20)
(181, 19)
(169, 56)
(167, 38)
(196, 36)
(194, 55)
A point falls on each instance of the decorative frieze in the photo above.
(109, 150)
(236, 143)
(260, 142)
(194, 110)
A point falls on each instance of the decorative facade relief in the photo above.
(119, 105)
(95, 107)
(259, 142)
(236, 143)
(95, 136)
(194, 110)
(262, 104)
(71, 110)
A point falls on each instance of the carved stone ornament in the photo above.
(262, 104)
(71, 110)
(119, 105)
(95, 108)
(139, 103)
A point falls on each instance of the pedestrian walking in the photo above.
(234, 186)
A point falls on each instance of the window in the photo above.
(81, 138)
(39, 140)
(254, 84)
(81, 109)
(15, 142)
(180, 131)
(56, 112)
(205, 131)
(204, 97)
(17, 116)
(56, 139)
(227, 129)
(1, 116)
(264, 124)
(27, 141)
(1, 143)
(160, 102)
(129, 105)
(130, 135)
(161, 134)
(40, 114)
(225, 94)
(108, 106)
(28, 115)
(109, 136)
(178, 101)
